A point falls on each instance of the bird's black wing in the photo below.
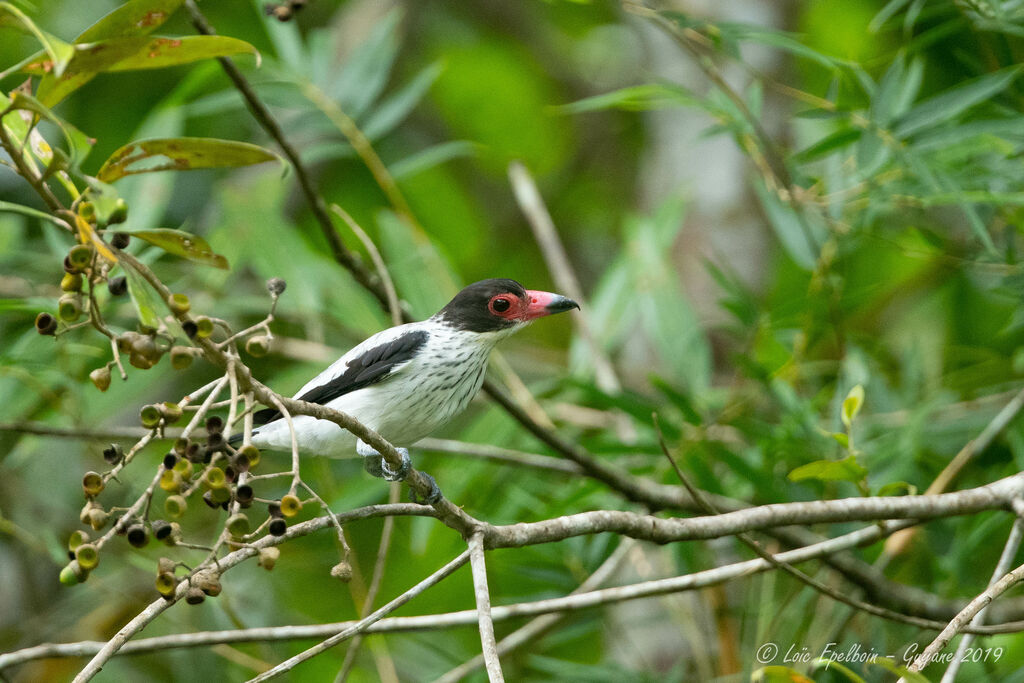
(370, 367)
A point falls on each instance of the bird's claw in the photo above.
(434, 496)
(391, 474)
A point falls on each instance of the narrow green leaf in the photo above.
(145, 299)
(634, 98)
(837, 140)
(841, 438)
(58, 52)
(34, 213)
(393, 110)
(431, 156)
(131, 53)
(950, 103)
(138, 17)
(847, 469)
(181, 154)
(184, 244)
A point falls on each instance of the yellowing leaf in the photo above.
(180, 154)
(88, 235)
(184, 244)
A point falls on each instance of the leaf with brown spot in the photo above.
(181, 154)
(184, 244)
(131, 53)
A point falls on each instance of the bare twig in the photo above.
(363, 624)
(483, 609)
(533, 629)
(961, 621)
(532, 205)
(394, 307)
(1010, 548)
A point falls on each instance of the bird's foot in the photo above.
(434, 496)
(375, 464)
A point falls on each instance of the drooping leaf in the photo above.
(131, 53)
(847, 469)
(184, 244)
(181, 154)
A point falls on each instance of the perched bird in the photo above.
(406, 381)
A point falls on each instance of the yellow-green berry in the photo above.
(178, 303)
(238, 524)
(80, 256)
(72, 573)
(69, 307)
(77, 538)
(92, 484)
(214, 478)
(290, 505)
(88, 556)
(170, 481)
(71, 282)
(150, 416)
(166, 584)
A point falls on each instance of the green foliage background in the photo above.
(894, 265)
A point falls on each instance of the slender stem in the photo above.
(363, 624)
(483, 609)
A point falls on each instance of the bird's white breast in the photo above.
(417, 398)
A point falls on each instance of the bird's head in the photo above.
(500, 305)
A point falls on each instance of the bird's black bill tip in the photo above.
(561, 304)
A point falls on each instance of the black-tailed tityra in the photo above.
(407, 381)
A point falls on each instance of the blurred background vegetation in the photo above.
(767, 204)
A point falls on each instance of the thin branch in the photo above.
(363, 624)
(961, 621)
(394, 307)
(1010, 548)
(483, 609)
(589, 599)
(534, 628)
(375, 583)
(532, 205)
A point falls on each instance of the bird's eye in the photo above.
(501, 305)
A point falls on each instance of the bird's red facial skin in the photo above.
(507, 306)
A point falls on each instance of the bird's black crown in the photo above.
(470, 311)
